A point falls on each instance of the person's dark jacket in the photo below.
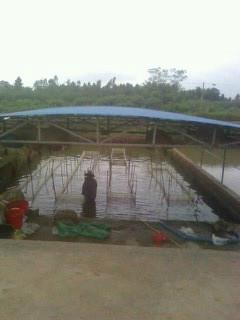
(89, 188)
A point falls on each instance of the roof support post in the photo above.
(223, 164)
(146, 133)
(68, 123)
(214, 137)
(108, 125)
(154, 134)
(97, 131)
(4, 126)
(38, 130)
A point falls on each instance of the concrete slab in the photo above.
(55, 280)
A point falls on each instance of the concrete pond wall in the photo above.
(209, 185)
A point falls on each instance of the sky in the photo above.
(97, 39)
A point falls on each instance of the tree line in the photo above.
(163, 90)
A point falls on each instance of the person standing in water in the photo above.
(89, 190)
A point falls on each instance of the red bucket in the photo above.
(14, 217)
(158, 238)
(20, 204)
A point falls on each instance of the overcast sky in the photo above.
(91, 39)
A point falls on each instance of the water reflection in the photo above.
(213, 164)
(161, 192)
(89, 209)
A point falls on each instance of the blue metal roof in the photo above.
(116, 111)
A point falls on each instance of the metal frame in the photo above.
(118, 158)
(5, 133)
(69, 132)
(102, 127)
(69, 179)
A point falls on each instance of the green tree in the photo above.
(18, 83)
(53, 82)
(40, 84)
(166, 76)
(4, 84)
(237, 98)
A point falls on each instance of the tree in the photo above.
(111, 83)
(40, 84)
(53, 82)
(18, 83)
(211, 94)
(99, 83)
(4, 84)
(237, 98)
(166, 76)
(161, 92)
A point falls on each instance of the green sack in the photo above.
(91, 230)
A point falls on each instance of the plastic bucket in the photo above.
(14, 217)
(158, 238)
(21, 204)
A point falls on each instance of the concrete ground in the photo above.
(56, 280)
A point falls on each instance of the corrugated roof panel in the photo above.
(116, 111)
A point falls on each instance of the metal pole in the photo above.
(108, 126)
(202, 156)
(4, 126)
(214, 137)
(53, 184)
(146, 133)
(97, 131)
(154, 134)
(223, 164)
(39, 131)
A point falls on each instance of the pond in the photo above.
(213, 162)
(147, 187)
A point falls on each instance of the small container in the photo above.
(14, 217)
(21, 204)
(158, 238)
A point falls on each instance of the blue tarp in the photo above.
(116, 111)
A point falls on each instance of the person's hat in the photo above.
(89, 173)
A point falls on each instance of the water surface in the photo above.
(159, 191)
